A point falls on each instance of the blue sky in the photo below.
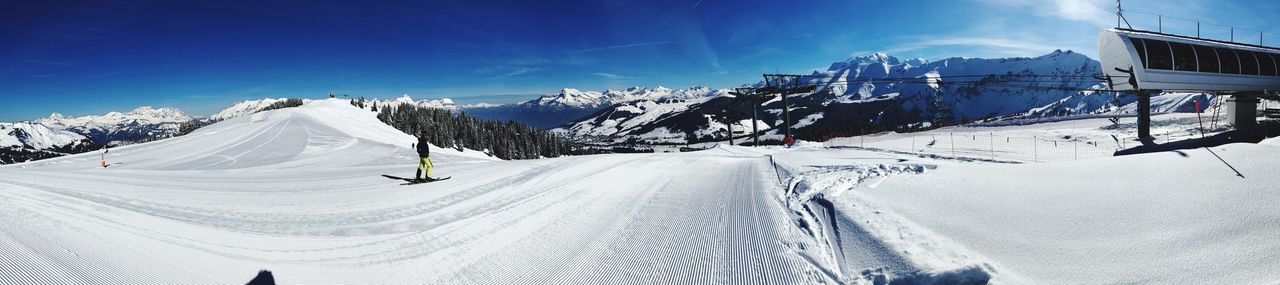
(93, 57)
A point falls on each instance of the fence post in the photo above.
(1075, 148)
(953, 144)
(992, 136)
(1035, 150)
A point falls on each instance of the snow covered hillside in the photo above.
(554, 110)
(117, 128)
(37, 136)
(312, 134)
(25, 141)
(245, 108)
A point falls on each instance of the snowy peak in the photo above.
(574, 98)
(877, 59)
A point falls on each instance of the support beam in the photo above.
(730, 124)
(786, 118)
(755, 129)
(783, 85)
(1243, 110)
(1144, 116)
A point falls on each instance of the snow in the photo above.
(35, 136)
(245, 108)
(808, 120)
(300, 192)
(176, 211)
(1155, 218)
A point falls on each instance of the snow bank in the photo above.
(1173, 217)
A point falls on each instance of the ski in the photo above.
(428, 180)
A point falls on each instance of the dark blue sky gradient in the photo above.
(93, 57)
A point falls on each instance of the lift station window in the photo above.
(1276, 59)
(1248, 62)
(1266, 66)
(1158, 55)
(1142, 50)
(1208, 59)
(1184, 57)
(1228, 60)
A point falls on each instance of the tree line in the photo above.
(444, 128)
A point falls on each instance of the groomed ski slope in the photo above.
(300, 192)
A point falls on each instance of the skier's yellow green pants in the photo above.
(425, 163)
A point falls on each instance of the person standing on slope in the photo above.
(424, 161)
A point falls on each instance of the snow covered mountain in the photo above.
(117, 128)
(570, 104)
(25, 141)
(878, 92)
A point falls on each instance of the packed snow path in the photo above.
(303, 195)
(687, 218)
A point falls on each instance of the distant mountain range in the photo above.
(554, 110)
(873, 93)
(117, 128)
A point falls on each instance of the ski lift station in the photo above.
(1146, 63)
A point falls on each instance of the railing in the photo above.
(1151, 21)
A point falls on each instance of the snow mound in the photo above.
(329, 132)
(245, 108)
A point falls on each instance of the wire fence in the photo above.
(988, 146)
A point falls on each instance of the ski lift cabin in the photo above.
(1149, 62)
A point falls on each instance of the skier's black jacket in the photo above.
(424, 149)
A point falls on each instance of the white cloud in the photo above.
(1097, 12)
(503, 71)
(631, 45)
(520, 71)
(611, 76)
(1006, 46)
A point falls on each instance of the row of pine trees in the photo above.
(444, 128)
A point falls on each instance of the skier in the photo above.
(424, 152)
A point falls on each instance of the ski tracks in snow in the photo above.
(614, 219)
(706, 219)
